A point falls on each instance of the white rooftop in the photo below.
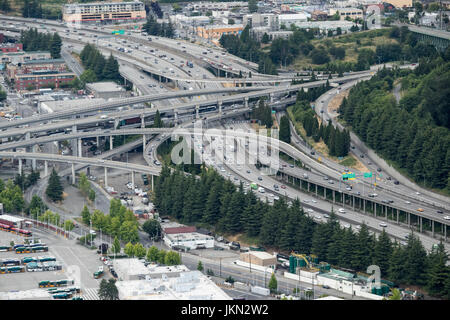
(261, 254)
(33, 294)
(329, 298)
(188, 236)
(191, 285)
(106, 86)
(11, 218)
(130, 267)
(53, 106)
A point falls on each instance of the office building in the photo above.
(104, 12)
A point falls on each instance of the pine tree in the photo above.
(54, 189)
(55, 46)
(438, 272)
(382, 252)
(415, 262)
(285, 129)
(85, 215)
(363, 249)
(396, 269)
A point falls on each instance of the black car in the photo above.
(312, 152)
(396, 182)
(379, 169)
(362, 156)
(440, 212)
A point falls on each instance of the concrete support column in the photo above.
(409, 219)
(334, 196)
(308, 186)
(27, 135)
(110, 142)
(176, 116)
(324, 193)
(385, 212)
(197, 111)
(106, 176)
(20, 166)
(432, 228)
(132, 179)
(116, 123)
(420, 223)
(80, 149)
(246, 102)
(159, 79)
(142, 121)
(144, 141)
(220, 107)
(364, 205)
(271, 97)
(397, 216)
(33, 162)
(152, 182)
(97, 140)
(316, 190)
(73, 173)
(353, 202)
(45, 168)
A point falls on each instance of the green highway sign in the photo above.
(367, 174)
(348, 176)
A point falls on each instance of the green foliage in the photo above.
(36, 207)
(5, 6)
(273, 284)
(32, 9)
(414, 133)
(55, 46)
(153, 228)
(252, 6)
(86, 215)
(98, 68)
(139, 250)
(129, 249)
(263, 113)
(152, 27)
(172, 258)
(285, 129)
(200, 266)
(54, 188)
(3, 95)
(108, 290)
(152, 254)
(68, 225)
(11, 196)
(116, 245)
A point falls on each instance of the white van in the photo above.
(261, 190)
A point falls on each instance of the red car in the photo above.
(283, 186)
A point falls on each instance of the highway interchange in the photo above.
(198, 91)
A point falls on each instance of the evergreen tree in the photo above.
(285, 129)
(415, 262)
(86, 215)
(382, 252)
(273, 284)
(54, 188)
(438, 272)
(55, 46)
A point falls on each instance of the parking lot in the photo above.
(78, 263)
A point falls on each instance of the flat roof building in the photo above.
(12, 221)
(345, 13)
(189, 285)
(191, 240)
(130, 269)
(104, 12)
(61, 105)
(106, 90)
(259, 258)
(214, 32)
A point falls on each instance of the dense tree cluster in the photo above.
(54, 189)
(263, 113)
(152, 27)
(98, 68)
(156, 9)
(108, 290)
(27, 180)
(285, 129)
(11, 196)
(33, 40)
(5, 6)
(32, 9)
(120, 222)
(228, 209)
(414, 133)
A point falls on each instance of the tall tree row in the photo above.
(33, 40)
(97, 66)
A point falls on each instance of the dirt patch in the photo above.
(359, 165)
(334, 104)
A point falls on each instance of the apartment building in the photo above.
(36, 74)
(344, 13)
(10, 47)
(104, 12)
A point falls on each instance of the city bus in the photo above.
(4, 248)
(45, 259)
(23, 250)
(39, 249)
(10, 262)
(28, 260)
(16, 269)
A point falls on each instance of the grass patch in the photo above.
(348, 162)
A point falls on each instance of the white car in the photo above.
(305, 200)
(314, 201)
(341, 210)
(318, 217)
(358, 227)
(447, 217)
(382, 224)
(346, 226)
(310, 210)
(408, 202)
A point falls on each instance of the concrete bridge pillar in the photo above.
(432, 228)
(316, 190)
(33, 162)
(45, 168)
(132, 180)
(197, 111)
(80, 149)
(142, 121)
(116, 123)
(73, 173)
(20, 166)
(246, 102)
(144, 141)
(27, 135)
(334, 196)
(110, 142)
(152, 182)
(271, 97)
(397, 216)
(106, 176)
(219, 103)
(420, 223)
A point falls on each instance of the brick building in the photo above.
(11, 47)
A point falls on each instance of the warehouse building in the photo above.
(130, 269)
(259, 258)
(190, 285)
(106, 90)
(50, 105)
(104, 12)
(345, 13)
